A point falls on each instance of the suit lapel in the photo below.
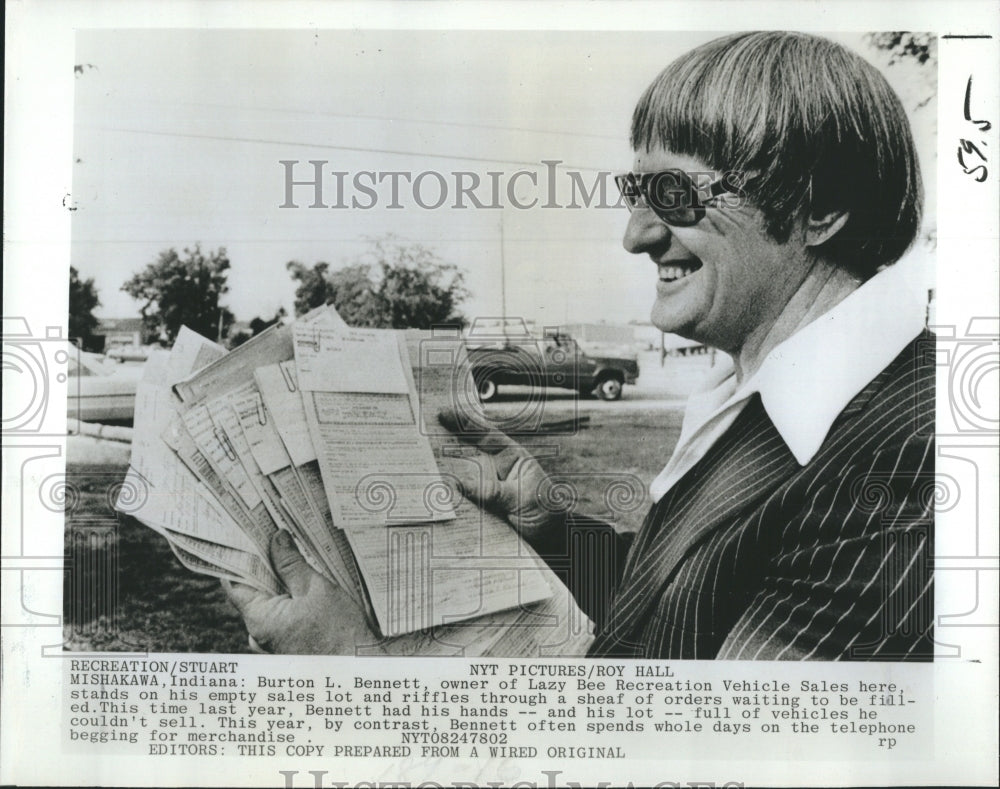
(748, 463)
(918, 354)
(742, 467)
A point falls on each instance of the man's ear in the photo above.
(821, 229)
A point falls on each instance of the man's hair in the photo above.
(810, 125)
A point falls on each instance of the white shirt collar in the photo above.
(807, 380)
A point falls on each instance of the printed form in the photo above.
(378, 468)
(428, 557)
(282, 444)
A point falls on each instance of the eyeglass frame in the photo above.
(640, 182)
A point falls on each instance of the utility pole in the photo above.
(503, 283)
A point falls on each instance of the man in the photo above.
(775, 182)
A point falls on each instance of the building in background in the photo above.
(118, 333)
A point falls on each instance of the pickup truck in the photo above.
(555, 360)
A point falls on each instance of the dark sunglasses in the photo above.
(670, 194)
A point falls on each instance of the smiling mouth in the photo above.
(677, 270)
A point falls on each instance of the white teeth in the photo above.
(673, 272)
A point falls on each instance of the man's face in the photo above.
(720, 280)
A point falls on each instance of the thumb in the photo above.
(450, 420)
(289, 564)
(505, 451)
(464, 477)
(465, 425)
(241, 595)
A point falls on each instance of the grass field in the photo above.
(125, 590)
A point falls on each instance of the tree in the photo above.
(311, 291)
(258, 324)
(394, 285)
(236, 339)
(183, 291)
(352, 290)
(903, 44)
(915, 53)
(83, 300)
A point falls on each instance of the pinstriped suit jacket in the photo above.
(752, 556)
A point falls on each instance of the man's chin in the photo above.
(669, 321)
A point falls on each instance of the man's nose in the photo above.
(645, 231)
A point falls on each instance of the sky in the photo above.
(179, 135)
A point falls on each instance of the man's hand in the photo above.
(314, 618)
(501, 475)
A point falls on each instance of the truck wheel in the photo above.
(610, 388)
(486, 388)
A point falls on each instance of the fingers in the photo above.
(504, 450)
(471, 430)
(249, 602)
(465, 427)
(241, 595)
(289, 564)
(466, 476)
(507, 458)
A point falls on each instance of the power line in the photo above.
(546, 239)
(389, 118)
(330, 146)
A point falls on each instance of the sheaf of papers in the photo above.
(163, 493)
(360, 406)
(318, 429)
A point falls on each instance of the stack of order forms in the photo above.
(331, 433)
